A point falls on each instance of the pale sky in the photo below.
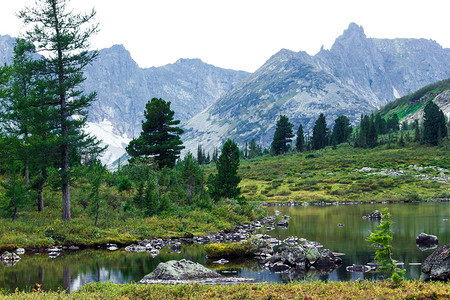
(243, 34)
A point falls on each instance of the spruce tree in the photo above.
(417, 135)
(283, 136)
(434, 125)
(300, 139)
(319, 133)
(341, 130)
(254, 150)
(64, 36)
(191, 177)
(160, 137)
(225, 183)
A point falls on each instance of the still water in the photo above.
(71, 270)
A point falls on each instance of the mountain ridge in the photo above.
(356, 76)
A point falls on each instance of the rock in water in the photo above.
(182, 269)
(185, 271)
(375, 215)
(437, 265)
(9, 257)
(426, 241)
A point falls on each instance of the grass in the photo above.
(304, 290)
(320, 176)
(327, 175)
(32, 230)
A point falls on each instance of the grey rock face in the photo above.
(437, 265)
(124, 88)
(357, 75)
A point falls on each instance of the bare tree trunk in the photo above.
(41, 189)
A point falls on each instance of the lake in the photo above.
(71, 270)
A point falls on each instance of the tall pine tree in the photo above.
(434, 125)
(160, 136)
(320, 129)
(299, 144)
(341, 130)
(224, 184)
(63, 37)
(283, 136)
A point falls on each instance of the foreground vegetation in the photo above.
(305, 290)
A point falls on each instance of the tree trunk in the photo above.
(65, 183)
(64, 126)
(41, 189)
(98, 206)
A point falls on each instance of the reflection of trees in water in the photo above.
(72, 269)
(311, 222)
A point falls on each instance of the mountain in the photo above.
(410, 107)
(123, 89)
(357, 75)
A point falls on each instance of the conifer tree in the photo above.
(224, 184)
(254, 150)
(417, 134)
(160, 137)
(341, 130)
(63, 36)
(300, 139)
(191, 177)
(434, 125)
(319, 133)
(283, 135)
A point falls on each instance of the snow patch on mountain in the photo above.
(116, 143)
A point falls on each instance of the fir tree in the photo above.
(299, 143)
(191, 177)
(64, 37)
(319, 133)
(225, 183)
(160, 137)
(341, 130)
(381, 239)
(417, 134)
(283, 136)
(434, 124)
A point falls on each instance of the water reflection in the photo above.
(71, 270)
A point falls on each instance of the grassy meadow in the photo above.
(328, 175)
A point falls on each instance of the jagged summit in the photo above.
(357, 75)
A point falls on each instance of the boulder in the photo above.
(135, 248)
(9, 257)
(312, 254)
(176, 247)
(426, 241)
(283, 223)
(20, 251)
(437, 265)
(375, 215)
(112, 247)
(185, 271)
(326, 261)
(291, 241)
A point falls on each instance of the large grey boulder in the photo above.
(185, 271)
(437, 265)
